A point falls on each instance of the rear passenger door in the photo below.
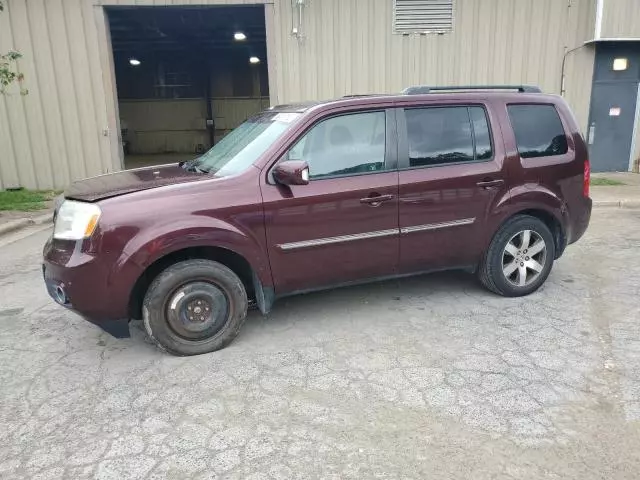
(452, 176)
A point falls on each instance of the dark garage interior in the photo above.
(185, 77)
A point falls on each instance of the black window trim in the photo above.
(403, 140)
(570, 145)
(390, 153)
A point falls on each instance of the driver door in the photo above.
(343, 226)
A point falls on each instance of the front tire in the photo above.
(194, 307)
(519, 258)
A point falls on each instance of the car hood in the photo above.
(128, 181)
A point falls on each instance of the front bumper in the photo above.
(79, 281)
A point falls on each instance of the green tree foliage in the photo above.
(9, 69)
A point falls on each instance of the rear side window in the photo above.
(443, 135)
(538, 130)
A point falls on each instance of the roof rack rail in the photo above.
(423, 89)
(358, 95)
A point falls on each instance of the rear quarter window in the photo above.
(538, 130)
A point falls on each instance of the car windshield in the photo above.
(240, 148)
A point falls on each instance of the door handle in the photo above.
(490, 183)
(376, 200)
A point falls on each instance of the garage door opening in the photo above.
(185, 77)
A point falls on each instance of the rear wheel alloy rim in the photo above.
(524, 258)
(197, 310)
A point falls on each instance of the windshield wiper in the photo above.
(191, 166)
(201, 167)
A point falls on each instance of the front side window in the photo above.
(443, 135)
(538, 130)
(345, 145)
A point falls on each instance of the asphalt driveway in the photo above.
(430, 377)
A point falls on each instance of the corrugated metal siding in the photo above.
(349, 48)
(56, 133)
(621, 19)
(579, 65)
(67, 127)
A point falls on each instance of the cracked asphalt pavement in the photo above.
(429, 377)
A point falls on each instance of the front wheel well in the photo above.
(237, 263)
(554, 225)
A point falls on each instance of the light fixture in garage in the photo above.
(254, 60)
(620, 64)
(239, 36)
(134, 61)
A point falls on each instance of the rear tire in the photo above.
(194, 307)
(517, 263)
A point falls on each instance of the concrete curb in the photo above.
(616, 203)
(42, 219)
(21, 223)
(14, 225)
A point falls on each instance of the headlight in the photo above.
(76, 220)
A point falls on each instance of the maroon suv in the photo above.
(310, 196)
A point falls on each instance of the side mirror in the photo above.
(292, 172)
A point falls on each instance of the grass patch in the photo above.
(25, 200)
(605, 182)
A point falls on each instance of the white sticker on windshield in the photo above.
(286, 117)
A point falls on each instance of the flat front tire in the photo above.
(519, 258)
(194, 307)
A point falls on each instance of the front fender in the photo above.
(196, 231)
(160, 239)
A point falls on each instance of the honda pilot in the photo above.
(492, 180)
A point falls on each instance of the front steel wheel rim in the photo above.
(524, 258)
(197, 310)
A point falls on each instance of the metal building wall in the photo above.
(348, 48)
(67, 127)
(54, 134)
(621, 19)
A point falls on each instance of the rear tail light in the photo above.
(586, 180)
